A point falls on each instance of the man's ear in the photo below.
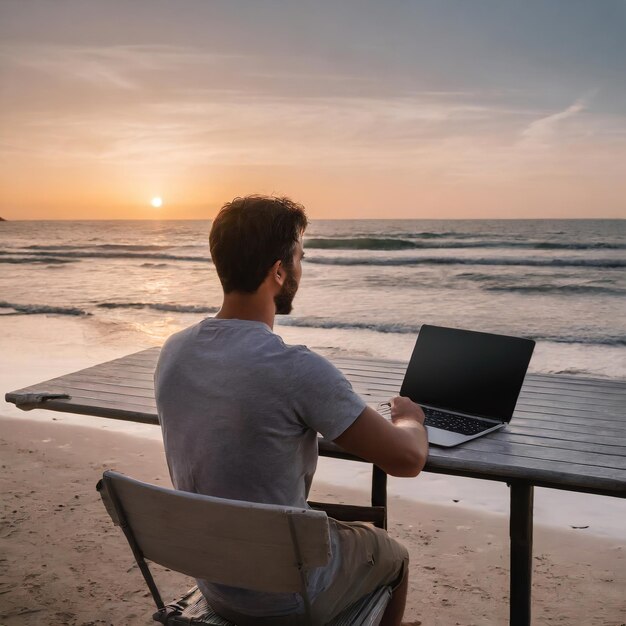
(277, 273)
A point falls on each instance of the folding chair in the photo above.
(254, 546)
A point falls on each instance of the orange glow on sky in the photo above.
(455, 123)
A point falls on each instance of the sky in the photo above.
(357, 109)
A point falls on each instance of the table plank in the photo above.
(564, 436)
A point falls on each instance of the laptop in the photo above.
(467, 382)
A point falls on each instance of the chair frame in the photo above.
(105, 483)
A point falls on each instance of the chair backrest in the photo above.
(260, 547)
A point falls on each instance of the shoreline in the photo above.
(67, 563)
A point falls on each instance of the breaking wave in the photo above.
(360, 243)
(413, 329)
(120, 254)
(157, 306)
(500, 283)
(389, 243)
(33, 259)
(104, 246)
(35, 309)
(558, 289)
(607, 263)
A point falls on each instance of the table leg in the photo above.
(379, 491)
(521, 533)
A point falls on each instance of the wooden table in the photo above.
(567, 433)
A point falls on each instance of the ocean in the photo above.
(73, 294)
(367, 285)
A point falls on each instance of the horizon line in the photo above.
(342, 219)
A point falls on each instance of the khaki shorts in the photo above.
(370, 559)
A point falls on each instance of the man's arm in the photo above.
(399, 447)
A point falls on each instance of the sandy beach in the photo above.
(65, 563)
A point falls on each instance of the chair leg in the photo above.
(106, 488)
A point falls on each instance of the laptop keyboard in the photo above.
(455, 423)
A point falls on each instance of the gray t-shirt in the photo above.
(240, 411)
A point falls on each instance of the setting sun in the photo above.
(156, 202)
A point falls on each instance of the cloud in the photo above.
(223, 127)
(123, 67)
(542, 132)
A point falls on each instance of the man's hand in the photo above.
(399, 447)
(405, 408)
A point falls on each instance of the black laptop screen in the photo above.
(466, 371)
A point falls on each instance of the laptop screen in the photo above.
(470, 372)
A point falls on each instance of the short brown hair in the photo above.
(249, 235)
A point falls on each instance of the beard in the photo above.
(284, 299)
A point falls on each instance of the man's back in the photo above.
(238, 416)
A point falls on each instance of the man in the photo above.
(240, 412)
